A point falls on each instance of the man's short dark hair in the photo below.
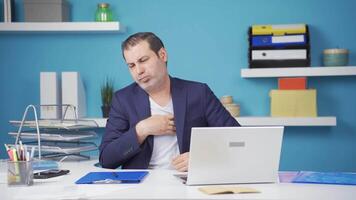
(154, 42)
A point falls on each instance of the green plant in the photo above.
(107, 90)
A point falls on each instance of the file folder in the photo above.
(280, 29)
(112, 177)
(73, 93)
(50, 95)
(279, 54)
(279, 63)
(279, 41)
(340, 178)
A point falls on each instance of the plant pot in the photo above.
(105, 110)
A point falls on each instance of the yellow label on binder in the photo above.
(281, 29)
(293, 103)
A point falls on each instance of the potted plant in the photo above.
(107, 91)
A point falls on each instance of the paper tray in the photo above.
(59, 124)
(57, 136)
(66, 148)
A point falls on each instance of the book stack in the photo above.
(293, 99)
(284, 45)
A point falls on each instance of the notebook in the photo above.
(112, 177)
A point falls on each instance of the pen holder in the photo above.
(19, 173)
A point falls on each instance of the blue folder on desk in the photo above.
(341, 178)
(112, 177)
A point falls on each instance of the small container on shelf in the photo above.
(335, 57)
(103, 13)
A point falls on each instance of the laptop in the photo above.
(231, 155)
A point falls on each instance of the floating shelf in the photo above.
(266, 121)
(287, 121)
(62, 27)
(298, 71)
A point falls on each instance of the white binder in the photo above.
(73, 93)
(279, 54)
(50, 94)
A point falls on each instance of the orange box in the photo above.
(299, 83)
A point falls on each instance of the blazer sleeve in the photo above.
(215, 112)
(119, 142)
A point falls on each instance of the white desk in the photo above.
(160, 184)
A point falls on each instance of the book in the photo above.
(227, 190)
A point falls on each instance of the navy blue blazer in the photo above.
(194, 105)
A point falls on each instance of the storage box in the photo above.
(292, 83)
(46, 11)
(293, 103)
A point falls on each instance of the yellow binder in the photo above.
(281, 29)
(293, 103)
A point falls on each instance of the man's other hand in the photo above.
(181, 162)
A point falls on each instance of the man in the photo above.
(150, 120)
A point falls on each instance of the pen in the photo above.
(21, 152)
(17, 167)
(32, 152)
(14, 154)
(9, 152)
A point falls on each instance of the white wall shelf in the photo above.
(62, 27)
(266, 121)
(287, 121)
(298, 71)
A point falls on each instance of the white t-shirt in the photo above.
(165, 147)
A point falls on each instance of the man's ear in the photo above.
(162, 53)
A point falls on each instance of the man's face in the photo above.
(148, 69)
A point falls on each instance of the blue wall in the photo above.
(206, 41)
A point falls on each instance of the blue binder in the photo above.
(271, 41)
(341, 178)
(112, 177)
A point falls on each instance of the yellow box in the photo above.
(293, 103)
(281, 29)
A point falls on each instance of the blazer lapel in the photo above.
(143, 111)
(142, 104)
(179, 97)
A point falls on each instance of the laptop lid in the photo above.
(228, 155)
